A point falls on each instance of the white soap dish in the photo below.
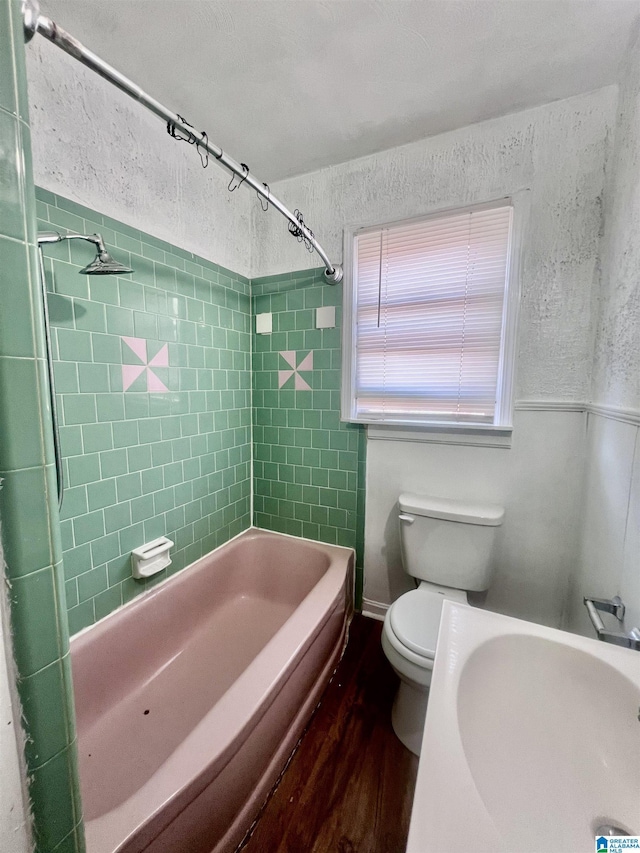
(151, 558)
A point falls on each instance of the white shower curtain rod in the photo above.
(34, 22)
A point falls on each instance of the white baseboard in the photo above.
(374, 609)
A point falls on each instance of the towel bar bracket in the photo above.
(615, 606)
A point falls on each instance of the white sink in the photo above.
(532, 739)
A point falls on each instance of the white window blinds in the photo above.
(428, 317)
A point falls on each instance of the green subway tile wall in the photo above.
(154, 402)
(309, 475)
(31, 548)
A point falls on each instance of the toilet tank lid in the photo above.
(490, 515)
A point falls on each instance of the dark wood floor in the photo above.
(349, 786)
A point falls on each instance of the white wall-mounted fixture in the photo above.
(326, 317)
(264, 324)
(151, 558)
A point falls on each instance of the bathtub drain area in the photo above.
(125, 746)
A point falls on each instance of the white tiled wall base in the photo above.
(609, 555)
(538, 480)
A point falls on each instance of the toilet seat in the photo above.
(407, 664)
(415, 620)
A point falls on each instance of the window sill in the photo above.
(470, 436)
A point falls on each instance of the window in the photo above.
(429, 320)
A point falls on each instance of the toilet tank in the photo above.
(448, 542)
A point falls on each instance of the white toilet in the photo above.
(446, 545)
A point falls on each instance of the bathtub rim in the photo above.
(243, 533)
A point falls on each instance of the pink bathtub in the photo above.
(190, 699)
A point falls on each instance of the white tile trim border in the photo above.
(492, 436)
(616, 413)
(551, 406)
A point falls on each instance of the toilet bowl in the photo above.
(409, 639)
(442, 540)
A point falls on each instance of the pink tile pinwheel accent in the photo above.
(306, 365)
(161, 358)
(301, 384)
(284, 376)
(307, 362)
(139, 346)
(153, 383)
(130, 372)
(290, 357)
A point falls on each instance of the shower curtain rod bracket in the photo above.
(335, 275)
(30, 15)
(34, 22)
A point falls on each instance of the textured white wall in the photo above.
(94, 145)
(13, 833)
(616, 374)
(13, 829)
(557, 150)
(609, 556)
(343, 79)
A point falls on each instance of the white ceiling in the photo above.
(288, 86)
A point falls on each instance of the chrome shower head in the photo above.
(104, 264)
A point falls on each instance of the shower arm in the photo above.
(54, 237)
(34, 23)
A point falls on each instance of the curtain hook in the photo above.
(204, 158)
(264, 209)
(242, 180)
